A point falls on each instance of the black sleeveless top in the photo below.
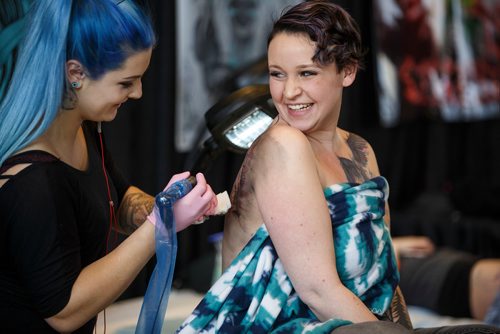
(54, 221)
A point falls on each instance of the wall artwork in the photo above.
(217, 41)
(438, 59)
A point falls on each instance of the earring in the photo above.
(76, 84)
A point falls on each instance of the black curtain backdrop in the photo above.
(444, 177)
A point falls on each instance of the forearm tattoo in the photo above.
(133, 211)
(356, 169)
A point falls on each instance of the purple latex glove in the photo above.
(197, 203)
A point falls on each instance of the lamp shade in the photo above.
(239, 118)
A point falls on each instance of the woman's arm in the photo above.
(293, 207)
(100, 283)
(136, 205)
(413, 246)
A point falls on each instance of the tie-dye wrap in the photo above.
(255, 295)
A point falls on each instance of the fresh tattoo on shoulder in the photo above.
(134, 209)
(241, 183)
(356, 169)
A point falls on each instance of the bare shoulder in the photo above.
(283, 156)
(269, 155)
(279, 130)
(274, 158)
(283, 133)
(282, 142)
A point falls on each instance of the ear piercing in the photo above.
(76, 84)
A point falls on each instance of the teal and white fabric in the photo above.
(255, 295)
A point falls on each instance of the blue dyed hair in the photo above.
(100, 34)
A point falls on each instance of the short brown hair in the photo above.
(334, 31)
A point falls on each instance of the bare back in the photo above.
(354, 162)
(243, 219)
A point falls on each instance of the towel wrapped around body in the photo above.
(255, 295)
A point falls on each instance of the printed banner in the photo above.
(438, 59)
(216, 40)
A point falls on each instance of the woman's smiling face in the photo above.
(307, 95)
(99, 100)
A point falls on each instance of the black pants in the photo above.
(439, 282)
(386, 327)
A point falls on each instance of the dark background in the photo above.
(444, 177)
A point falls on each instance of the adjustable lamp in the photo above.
(235, 122)
(238, 119)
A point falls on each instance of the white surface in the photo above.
(423, 318)
(121, 317)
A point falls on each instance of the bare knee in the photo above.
(484, 285)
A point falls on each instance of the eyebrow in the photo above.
(307, 65)
(132, 77)
(300, 67)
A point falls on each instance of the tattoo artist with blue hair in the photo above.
(80, 61)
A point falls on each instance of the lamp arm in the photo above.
(204, 156)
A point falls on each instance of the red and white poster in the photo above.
(438, 59)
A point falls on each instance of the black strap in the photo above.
(27, 157)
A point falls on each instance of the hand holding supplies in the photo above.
(179, 204)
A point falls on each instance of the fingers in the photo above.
(196, 204)
(210, 207)
(212, 201)
(200, 180)
(177, 177)
(201, 185)
(204, 194)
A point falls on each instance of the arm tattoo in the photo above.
(240, 186)
(133, 211)
(356, 169)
